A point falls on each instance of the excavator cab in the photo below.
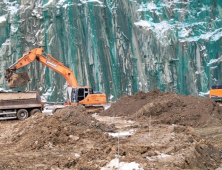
(78, 94)
(85, 96)
(216, 92)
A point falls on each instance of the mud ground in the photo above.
(156, 130)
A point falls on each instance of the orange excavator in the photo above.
(216, 92)
(77, 95)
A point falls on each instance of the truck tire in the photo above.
(22, 114)
(33, 111)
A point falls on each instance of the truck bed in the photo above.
(16, 100)
(8, 96)
(16, 104)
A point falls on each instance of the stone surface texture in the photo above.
(116, 46)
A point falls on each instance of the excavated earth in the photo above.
(168, 108)
(18, 80)
(156, 130)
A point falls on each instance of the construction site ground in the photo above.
(153, 130)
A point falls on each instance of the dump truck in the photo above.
(19, 105)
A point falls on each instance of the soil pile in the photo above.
(65, 127)
(172, 147)
(168, 108)
(18, 80)
(73, 139)
(128, 105)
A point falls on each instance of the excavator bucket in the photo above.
(18, 80)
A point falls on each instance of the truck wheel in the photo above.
(22, 114)
(33, 111)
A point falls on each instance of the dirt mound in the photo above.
(77, 116)
(168, 108)
(128, 105)
(171, 147)
(65, 127)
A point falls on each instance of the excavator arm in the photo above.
(49, 61)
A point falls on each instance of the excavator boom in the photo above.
(49, 61)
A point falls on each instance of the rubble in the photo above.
(73, 139)
(18, 80)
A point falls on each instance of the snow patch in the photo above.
(48, 92)
(199, 72)
(51, 40)
(106, 107)
(13, 29)
(185, 32)
(111, 97)
(47, 112)
(205, 8)
(2, 19)
(48, 109)
(213, 61)
(203, 48)
(122, 165)
(43, 99)
(147, 7)
(36, 13)
(48, 3)
(77, 155)
(4, 90)
(86, 1)
(123, 134)
(144, 24)
(13, 9)
(61, 2)
(150, 159)
(65, 6)
(159, 28)
(212, 68)
(7, 42)
(161, 156)
(129, 121)
(202, 94)
(208, 36)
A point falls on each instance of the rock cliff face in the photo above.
(116, 46)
